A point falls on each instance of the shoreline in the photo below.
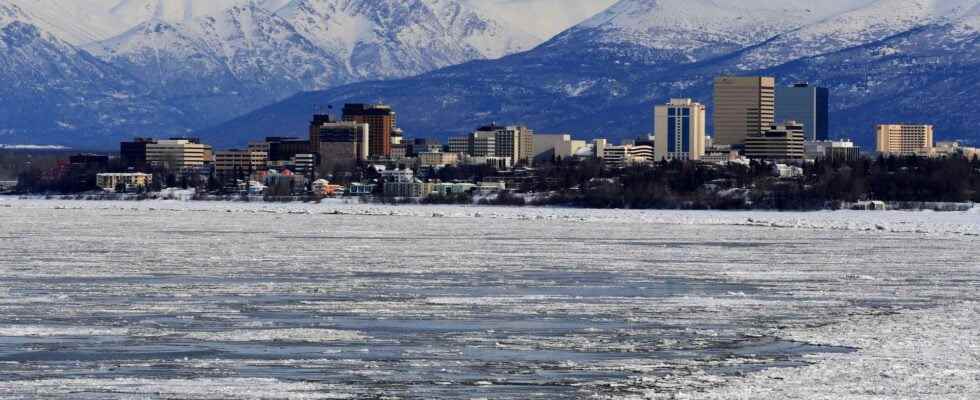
(371, 200)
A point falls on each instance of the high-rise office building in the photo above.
(515, 142)
(807, 104)
(744, 106)
(178, 154)
(133, 153)
(905, 140)
(680, 130)
(780, 142)
(315, 124)
(380, 118)
(343, 143)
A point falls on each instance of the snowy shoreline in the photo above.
(188, 196)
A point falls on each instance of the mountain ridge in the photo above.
(883, 80)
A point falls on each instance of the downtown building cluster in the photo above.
(364, 152)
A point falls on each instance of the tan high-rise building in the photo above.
(904, 140)
(178, 154)
(744, 106)
(381, 119)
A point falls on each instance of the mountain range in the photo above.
(884, 61)
(120, 68)
(450, 65)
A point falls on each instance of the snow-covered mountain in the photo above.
(692, 30)
(249, 55)
(884, 61)
(52, 90)
(82, 22)
(877, 20)
(163, 67)
(396, 38)
(216, 59)
(217, 66)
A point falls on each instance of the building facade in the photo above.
(437, 159)
(780, 142)
(840, 150)
(628, 154)
(548, 147)
(512, 142)
(904, 140)
(283, 149)
(239, 163)
(680, 130)
(178, 154)
(342, 143)
(744, 106)
(477, 144)
(807, 104)
(381, 120)
(128, 181)
(133, 153)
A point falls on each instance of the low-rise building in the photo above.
(413, 189)
(628, 154)
(284, 182)
(548, 147)
(787, 171)
(127, 181)
(954, 149)
(302, 164)
(496, 162)
(842, 150)
(491, 187)
(437, 159)
(616, 156)
(720, 155)
(450, 188)
(780, 142)
(237, 163)
(7, 185)
(360, 189)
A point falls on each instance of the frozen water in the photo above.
(173, 299)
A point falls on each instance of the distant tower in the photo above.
(680, 130)
(315, 124)
(380, 118)
(809, 105)
(744, 106)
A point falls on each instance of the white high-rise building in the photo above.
(680, 130)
